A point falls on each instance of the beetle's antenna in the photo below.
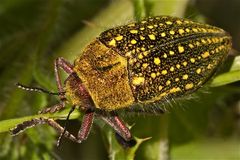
(37, 89)
(65, 126)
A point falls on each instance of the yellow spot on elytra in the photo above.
(198, 70)
(209, 66)
(164, 72)
(178, 66)
(177, 79)
(168, 82)
(172, 69)
(133, 41)
(138, 80)
(150, 27)
(164, 55)
(153, 75)
(163, 34)
(119, 38)
(187, 30)
(143, 49)
(163, 94)
(179, 22)
(157, 61)
(131, 25)
(160, 24)
(171, 53)
(174, 89)
(143, 21)
(160, 88)
(142, 28)
(185, 76)
(134, 31)
(184, 63)
(128, 54)
(145, 53)
(172, 32)
(198, 43)
(191, 45)
(144, 65)
(203, 41)
(180, 49)
(189, 86)
(192, 60)
(180, 31)
(140, 56)
(204, 30)
(168, 22)
(142, 38)
(205, 54)
(152, 37)
(112, 42)
(195, 30)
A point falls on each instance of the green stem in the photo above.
(6, 125)
(140, 10)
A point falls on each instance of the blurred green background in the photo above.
(205, 125)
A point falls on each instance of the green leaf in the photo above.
(233, 75)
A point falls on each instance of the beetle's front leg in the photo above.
(59, 63)
(67, 67)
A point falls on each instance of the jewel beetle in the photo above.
(157, 59)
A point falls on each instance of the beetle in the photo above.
(157, 59)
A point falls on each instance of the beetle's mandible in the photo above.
(144, 62)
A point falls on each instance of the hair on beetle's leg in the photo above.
(36, 121)
(85, 126)
(67, 67)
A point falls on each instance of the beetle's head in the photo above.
(76, 93)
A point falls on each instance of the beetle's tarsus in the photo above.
(125, 144)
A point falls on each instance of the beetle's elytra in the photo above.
(139, 63)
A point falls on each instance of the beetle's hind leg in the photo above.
(123, 134)
(36, 121)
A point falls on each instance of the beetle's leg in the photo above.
(52, 109)
(85, 126)
(67, 67)
(118, 125)
(36, 121)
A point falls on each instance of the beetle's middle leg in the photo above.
(85, 126)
